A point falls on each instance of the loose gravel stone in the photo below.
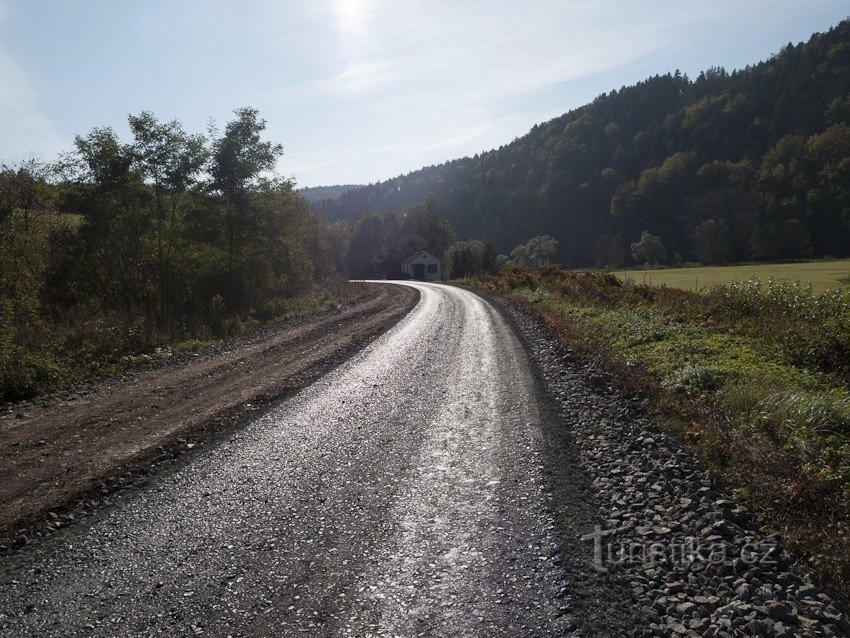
(692, 559)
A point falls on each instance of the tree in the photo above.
(238, 159)
(711, 242)
(609, 251)
(421, 228)
(368, 239)
(469, 258)
(27, 219)
(23, 187)
(103, 183)
(784, 240)
(170, 161)
(649, 249)
(535, 252)
(99, 159)
(378, 243)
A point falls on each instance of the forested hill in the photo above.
(727, 167)
(316, 194)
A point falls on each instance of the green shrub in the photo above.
(812, 330)
(190, 345)
(25, 374)
(231, 327)
(697, 379)
(146, 358)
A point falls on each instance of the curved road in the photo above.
(400, 495)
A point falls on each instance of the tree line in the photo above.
(377, 243)
(123, 245)
(748, 165)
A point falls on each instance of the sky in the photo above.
(359, 91)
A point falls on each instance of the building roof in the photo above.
(418, 256)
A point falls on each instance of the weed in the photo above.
(826, 414)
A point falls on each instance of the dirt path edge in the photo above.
(54, 502)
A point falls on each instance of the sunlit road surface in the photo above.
(400, 495)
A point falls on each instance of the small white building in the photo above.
(422, 266)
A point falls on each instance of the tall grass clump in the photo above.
(697, 379)
(812, 330)
(827, 414)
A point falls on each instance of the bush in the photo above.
(812, 330)
(697, 379)
(25, 374)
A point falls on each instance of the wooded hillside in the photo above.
(749, 165)
(315, 194)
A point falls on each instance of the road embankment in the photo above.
(645, 527)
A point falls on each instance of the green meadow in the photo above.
(820, 275)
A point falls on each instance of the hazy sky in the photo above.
(359, 90)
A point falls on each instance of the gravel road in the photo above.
(402, 494)
(60, 454)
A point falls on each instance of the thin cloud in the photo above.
(429, 80)
(474, 48)
(368, 75)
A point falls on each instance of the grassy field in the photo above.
(822, 275)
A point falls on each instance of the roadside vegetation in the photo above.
(753, 376)
(123, 253)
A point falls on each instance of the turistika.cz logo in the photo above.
(610, 553)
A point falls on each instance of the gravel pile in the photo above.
(692, 561)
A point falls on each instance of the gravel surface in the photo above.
(687, 559)
(402, 494)
(59, 455)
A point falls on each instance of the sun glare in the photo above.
(351, 14)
